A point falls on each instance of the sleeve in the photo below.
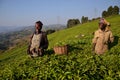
(28, 50)
(30, 40)
(45, 46)
(111, 37)
(94, 40)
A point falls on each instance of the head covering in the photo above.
(101, 21)
(104, 21)
(39, 23)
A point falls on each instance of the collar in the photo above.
(102, 31)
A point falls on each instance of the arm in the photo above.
(45, 40)
(28, 50)
(30, 40)
(93, 46)
(111, 37)
(94, 41)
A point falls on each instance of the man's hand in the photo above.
(93, 47)
(28, 50)
(40, 52)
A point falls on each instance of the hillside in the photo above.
(20, 35)
(80, 63)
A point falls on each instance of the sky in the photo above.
(27, 12)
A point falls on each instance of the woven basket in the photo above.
(61, 49)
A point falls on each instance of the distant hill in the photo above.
(11, 36)
(5, 29)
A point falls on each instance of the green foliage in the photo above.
(72, 22)
(104, 14)
(79, 64)
(111, 11)
(50, 31)
(60, 43)
(116, 10)
(84, 19)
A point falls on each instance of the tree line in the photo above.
(110, 11)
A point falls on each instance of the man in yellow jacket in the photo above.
(102, 37)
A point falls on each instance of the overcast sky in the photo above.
(27, 12)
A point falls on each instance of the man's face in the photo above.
(37, 26)
(102, 26)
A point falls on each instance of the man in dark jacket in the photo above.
(38, 41)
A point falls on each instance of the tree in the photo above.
(104, 14)
(84, 19)
(50, 31)
(72, 22)
(116, 10)
(110, 11)
(77, 21)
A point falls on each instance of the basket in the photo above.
(61, 49)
